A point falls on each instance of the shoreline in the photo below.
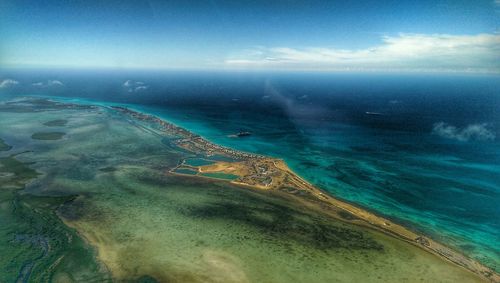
(242, 167)
(266, 173)
(267, 177)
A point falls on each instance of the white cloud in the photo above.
(8, 83)
(49, 83)
(127, 83)
(54, 83)
(412, 52)
(139, 88)
(134, 86)
(473, 131)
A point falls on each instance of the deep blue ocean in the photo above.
(423, 150)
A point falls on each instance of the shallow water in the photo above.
(47, 135)
(146, 223)
(4, 146)
(186, 171)
(36, 246)
(392, 163)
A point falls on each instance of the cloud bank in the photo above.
(411, 52)
(473, 131)
(8, 83)
(134, 86)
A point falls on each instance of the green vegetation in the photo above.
(47, 136)
(219, 175)
(36, 246)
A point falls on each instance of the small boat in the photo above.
(243, 134)
(240, 134)
(373, 113)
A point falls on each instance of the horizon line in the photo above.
(250, 69)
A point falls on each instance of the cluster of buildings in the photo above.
(211, 148)
(188, 140)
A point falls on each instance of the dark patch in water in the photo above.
(56, 123)
(309, 164)
(81, 174)
(281, 221)
(107, 169)
(363, 149)
(21, 172)
(146, 279)
(4, 146)
(48, 136)
(74, 209)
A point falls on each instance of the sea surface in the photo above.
(423, 150)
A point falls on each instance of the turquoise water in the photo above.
(185, 171)
(392, 162)
(433, 192)
(107, 183)
(382, 170)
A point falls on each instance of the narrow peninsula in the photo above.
(267, 173)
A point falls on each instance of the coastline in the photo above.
(254, 171)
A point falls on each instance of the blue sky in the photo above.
(313, 35)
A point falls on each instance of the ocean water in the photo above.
(105, 181)
(423, 150)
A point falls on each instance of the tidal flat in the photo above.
(104, 200)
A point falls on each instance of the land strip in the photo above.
(266, 173)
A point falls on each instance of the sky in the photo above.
(444, 36)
